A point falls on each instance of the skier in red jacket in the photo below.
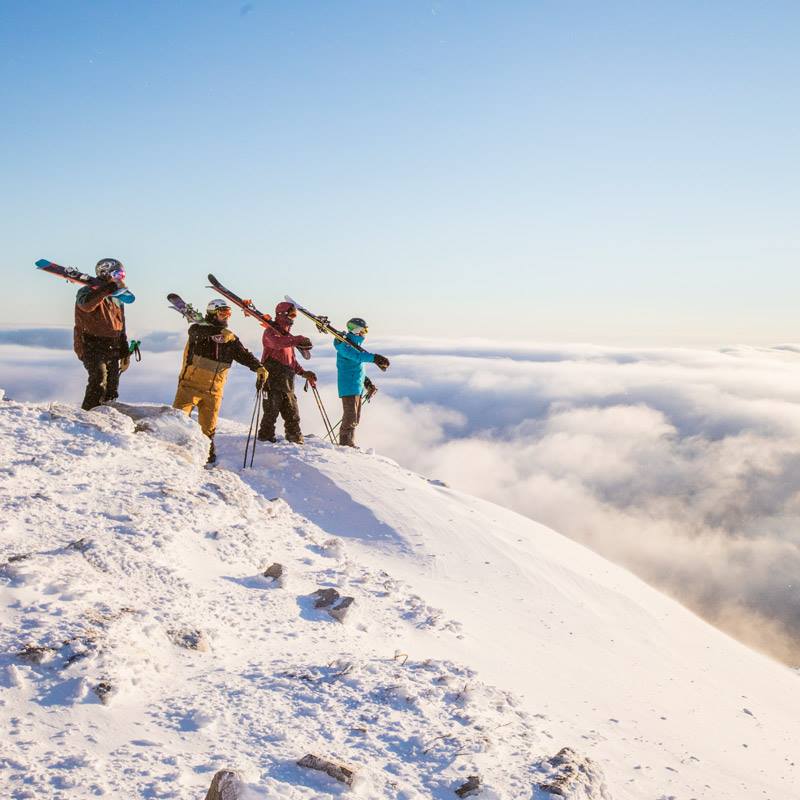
(280, 360)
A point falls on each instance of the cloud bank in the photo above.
(683, 465)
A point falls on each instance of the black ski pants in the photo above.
(281, 401)
(101, 359)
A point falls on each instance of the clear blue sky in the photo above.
(551, 170)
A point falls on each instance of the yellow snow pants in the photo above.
(207, 404)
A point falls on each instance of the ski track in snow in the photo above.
(118, 547)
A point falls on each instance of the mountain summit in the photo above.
(160, 622)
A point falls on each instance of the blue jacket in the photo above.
(350, 366)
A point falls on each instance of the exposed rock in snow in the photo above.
(338, 771)
(190, 639)
(274, 572)
(325, 598)
(104, 691)
(573, 777)
(471, 787)
(226, 785)
(341, 608)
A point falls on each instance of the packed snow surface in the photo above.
(142, 649)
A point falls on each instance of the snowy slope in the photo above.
(478, 642)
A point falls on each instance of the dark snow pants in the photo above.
(351, 415)
(101, 359)
(280, 400)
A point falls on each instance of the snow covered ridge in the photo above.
(142, 648)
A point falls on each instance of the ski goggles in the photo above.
(223, 312)
(116, 275)
(358, 330)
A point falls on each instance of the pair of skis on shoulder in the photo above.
(191, 314)
(322, 323)
(76, 276)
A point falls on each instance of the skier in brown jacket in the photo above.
(99, 339)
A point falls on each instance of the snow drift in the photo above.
(142, 648)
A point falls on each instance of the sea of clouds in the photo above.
(681, 464)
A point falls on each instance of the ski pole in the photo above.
(250, 432)
(325, 418)
(259, 404)
(365, 398)
(324, 414)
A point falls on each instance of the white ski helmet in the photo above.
(107, 266)
(216, 305)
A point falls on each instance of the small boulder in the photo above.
(325, 597)
(342, 608)
(471, 787)
(227, 785)
(573, 777)
(189, 639)
(275, 572)
(104, 691)
(339, 772)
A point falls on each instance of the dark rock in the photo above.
(81, 545)
(471, 787)
(325, 597)
(341, 609)
(275, 571)
(104, 691)
(227, 785)
(19, 557)
(34, 654)
(340, 773)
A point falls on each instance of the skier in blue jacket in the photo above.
(351, 379)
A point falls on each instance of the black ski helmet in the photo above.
(105, 266)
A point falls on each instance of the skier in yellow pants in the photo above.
(207, 357)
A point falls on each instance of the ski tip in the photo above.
(43, 262)
(212, 279)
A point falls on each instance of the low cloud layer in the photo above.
(683, 465)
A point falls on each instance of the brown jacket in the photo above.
(97, 316)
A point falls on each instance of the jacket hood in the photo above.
(353, 337)
(282, 315)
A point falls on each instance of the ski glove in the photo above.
(310, 376)
(261, 377)
(381, 362)
(370, 387)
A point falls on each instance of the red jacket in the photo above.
(279, 347)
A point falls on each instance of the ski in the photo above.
(76, 276)
(249, 309)
(324, 324)
(186, 310)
